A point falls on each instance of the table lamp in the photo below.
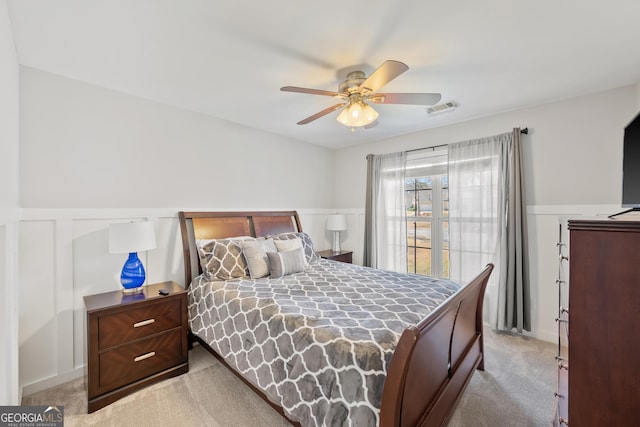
(336, 223)
(131, 237)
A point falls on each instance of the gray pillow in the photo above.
(285, 263)
(222, 259)
(255, 253)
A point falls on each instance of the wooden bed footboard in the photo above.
(435, 359)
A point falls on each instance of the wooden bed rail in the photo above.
(426, 377)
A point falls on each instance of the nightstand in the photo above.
(342, 256)
(134, 340)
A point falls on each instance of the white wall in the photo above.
(572, 162)
(85, 146)
(9, 211)
(91, 156)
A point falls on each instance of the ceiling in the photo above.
(228, 59)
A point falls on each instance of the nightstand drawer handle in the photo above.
(144, 323)
(144, 356)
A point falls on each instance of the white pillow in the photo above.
(255, 253)
(307, 244)
(288, 245)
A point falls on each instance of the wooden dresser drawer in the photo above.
(563, 336)
(120, 328)
(128, 363)
(562, 394)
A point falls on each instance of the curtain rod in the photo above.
(426, 148)
(524, 131)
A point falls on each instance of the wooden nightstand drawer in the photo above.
(125, 364)
(125, 326)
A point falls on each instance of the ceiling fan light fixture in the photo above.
(357, 114)
(358, 90)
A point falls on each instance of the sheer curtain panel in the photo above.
(385, 240)
(487, 223)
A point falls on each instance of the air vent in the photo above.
(442, 108)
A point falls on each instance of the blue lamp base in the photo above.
(133, 274)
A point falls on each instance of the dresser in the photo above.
(562, 319)
(134, 340)
(603, 324)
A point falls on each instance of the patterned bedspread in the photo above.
(318, 342)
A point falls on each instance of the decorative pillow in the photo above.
(309, 253)
(222, 259)
(255, 253)
(288, 245)
(285, 263)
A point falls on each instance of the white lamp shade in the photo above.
(336, 222)
(129, 237)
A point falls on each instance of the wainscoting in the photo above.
(9, 358)
(63, 255)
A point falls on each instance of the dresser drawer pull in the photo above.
(564, 310)
(563, 421)
(564, 258)
(559, 282)
(562, 365)
(144, 323)
(561, 320)
(559, 396)
(144, 356)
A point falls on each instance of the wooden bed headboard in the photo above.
(222, 225)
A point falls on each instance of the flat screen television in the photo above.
(631, 165)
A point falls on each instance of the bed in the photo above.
(329, 343)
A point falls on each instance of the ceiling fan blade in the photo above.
(320, 114)
(312, 91)
(406, 98)
(388, 71)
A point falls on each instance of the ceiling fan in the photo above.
(357, 91)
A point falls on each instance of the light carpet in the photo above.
(516, 389)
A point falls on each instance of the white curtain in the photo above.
(473, 206)
(486, 224)
(385, 223)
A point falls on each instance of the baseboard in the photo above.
(551, 337)
(546, 336)
(51, 382)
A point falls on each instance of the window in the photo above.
(427, 212)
